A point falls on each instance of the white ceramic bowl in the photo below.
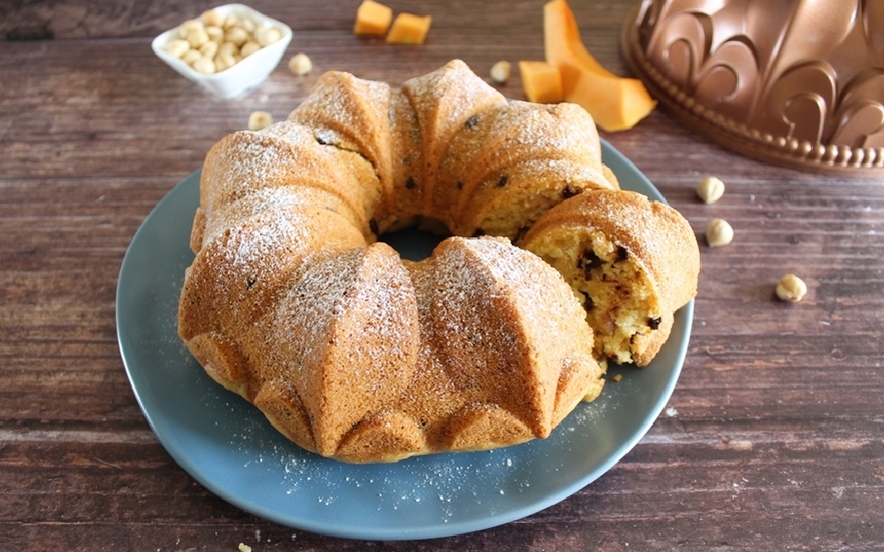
(248, 73)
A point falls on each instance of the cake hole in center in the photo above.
(411, 243)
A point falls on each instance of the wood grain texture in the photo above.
(773, 439)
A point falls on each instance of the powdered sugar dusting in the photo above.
(345, 326)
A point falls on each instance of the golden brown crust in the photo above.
(350, 351)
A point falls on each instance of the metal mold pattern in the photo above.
(797, 83)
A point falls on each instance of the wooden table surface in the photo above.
(772, 440)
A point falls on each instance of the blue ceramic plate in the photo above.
(229, 447)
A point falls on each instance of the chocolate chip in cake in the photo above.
(502, 182)
(570, 191)
(622, 254)
(472, 122)
(588, 261)
(250, 281)
(654, 322)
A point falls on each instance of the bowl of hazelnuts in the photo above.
(227, 50)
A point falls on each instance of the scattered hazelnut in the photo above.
(500, 71)
(718, 232)
(300, 64)
(791, 288)
(259, 120)
(710, 189)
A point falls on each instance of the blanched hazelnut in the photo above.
(259, 120)
(719, 232)
(212, 18)
(710, 189)
(197, 36)
(237, 35)
(500, 71)
(191, 56)
(300, 64)
(267, 36)
(216, 34)
(249, 48)
(232, 20)
(178, 47)
(189, 25)
(228, 48)
(224, 60)
(204, 65)
(791, 288)
(209, 49)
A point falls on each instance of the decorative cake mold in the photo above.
(797, 83)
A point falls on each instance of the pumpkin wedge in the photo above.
(616, 103)
(542, 81)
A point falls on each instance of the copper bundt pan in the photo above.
(797, 83)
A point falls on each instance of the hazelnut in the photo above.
(237, 35)
(189, 25)
(300, 64)
(710, 189)
(719, 232)
(209, 49)
(500, 71)
(267, 36)
(204, 65)
(197, 36)
(249, 48)
(178, 47)
(259, 120)
(224, 60)
(791, 288)
(212, 18)
(191, 56)
(216, 34)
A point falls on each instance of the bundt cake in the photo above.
(631, 261)
(351, 351)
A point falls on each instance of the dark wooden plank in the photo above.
(773, 438)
